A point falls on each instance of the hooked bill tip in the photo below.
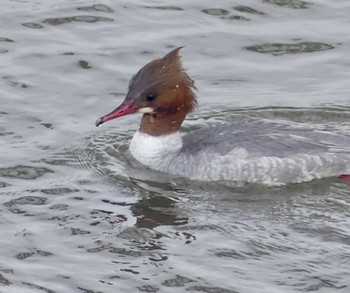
(98, 122)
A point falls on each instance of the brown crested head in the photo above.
(163, 91)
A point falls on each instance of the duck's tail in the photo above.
(345, 178)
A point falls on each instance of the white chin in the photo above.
(146, 110)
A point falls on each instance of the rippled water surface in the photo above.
(77, 215)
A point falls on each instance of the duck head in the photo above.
(162, 91)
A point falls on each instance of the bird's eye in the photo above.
(150, 97)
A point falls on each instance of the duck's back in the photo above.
(264, 153)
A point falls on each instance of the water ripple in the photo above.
(295, 4)
(78, 18)
(247, 9)
(216, 11)
(24, 172)
(280, 48)
(97, 7)
(6, 40)
(32, 25)
(174, 8)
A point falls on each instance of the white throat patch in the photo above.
(155, 151)
(146, 110)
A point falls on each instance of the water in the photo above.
(77, 216)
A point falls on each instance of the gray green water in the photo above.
(76, 216)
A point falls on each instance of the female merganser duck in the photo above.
(242, 152)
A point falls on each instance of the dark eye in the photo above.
(150, 97)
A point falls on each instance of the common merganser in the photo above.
(240, 152)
